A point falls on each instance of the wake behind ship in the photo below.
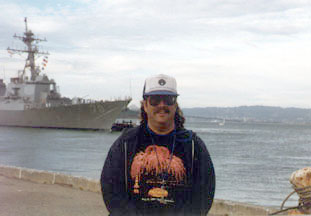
(35, 101)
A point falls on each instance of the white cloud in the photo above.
(223, 53)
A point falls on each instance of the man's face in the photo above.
(160, 109)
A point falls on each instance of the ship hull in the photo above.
(90, 116)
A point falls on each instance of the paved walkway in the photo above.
(23, 198)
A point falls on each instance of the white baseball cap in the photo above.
(160, 85)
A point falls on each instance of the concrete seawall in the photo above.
(45, 177)
(220, 207)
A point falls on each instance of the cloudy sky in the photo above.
(222, 53)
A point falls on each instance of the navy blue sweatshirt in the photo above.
(149, 174)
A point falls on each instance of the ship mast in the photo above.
(32, 51)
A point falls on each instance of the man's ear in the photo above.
(145, 104)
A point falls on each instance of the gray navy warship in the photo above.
(36, 102)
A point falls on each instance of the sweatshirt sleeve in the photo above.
(113, 183)
(203, 180)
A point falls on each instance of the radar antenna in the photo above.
(32, 51)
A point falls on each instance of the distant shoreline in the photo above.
(243, 114)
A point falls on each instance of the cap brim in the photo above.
(161, 93)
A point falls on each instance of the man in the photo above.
(159, 167)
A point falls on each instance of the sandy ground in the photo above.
(18, 197)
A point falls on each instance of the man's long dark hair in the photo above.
(179, 117)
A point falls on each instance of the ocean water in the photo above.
(253, 162)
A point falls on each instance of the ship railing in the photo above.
(88, 101)
(126, 98)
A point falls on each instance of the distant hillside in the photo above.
(253, 113)
(128, 113)
(242, 113)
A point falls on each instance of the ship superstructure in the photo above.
(34, 101)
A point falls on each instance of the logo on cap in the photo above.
(162, 82)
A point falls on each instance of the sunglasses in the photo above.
(168, 100)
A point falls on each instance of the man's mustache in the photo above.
(165, 109)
